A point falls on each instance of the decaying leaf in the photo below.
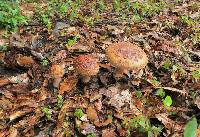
(109, 133)
(57, 71)
(104, 123)
(25, 61)
(68, 84)
(92, 114)
(168, 123)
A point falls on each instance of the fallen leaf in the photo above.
(13, 132)
(58, 71)
(168, 123)
(4, 81)
(104, 123)
(25, 61)
(68, 84)
(109, 133)
(92, 114)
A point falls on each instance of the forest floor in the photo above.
(40, 40)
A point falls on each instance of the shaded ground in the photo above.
(35, 102)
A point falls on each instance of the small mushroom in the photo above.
(86, 66)
(126, 56)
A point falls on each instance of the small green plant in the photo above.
(150, 8)
(136, 6)
(128, 4)
(117, 5)
(47, 112)
(44, 62)
(101, 5)
(196, 73)
(167, 64)
(188, 21)
(167, 101)
(137, 18)
(155, 82)
(46, 20)
(89, 21)
(190, 129)
(160, 92)
(10, 16)
(60, 101)
(141, 122)
(78, 113)
(138, 94)
(3, 48)
(91, 135)
(73, 40)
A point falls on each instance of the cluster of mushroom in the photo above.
(124, 56)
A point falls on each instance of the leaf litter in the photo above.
(40, 91)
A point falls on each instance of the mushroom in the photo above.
(86, 66)
(126, 56)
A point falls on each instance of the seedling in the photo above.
(73, 40)
(117, 5)
(91, 135)
(10, 17)
(138, 94)
(196, 73)
(167, 64)
(160, 92)
(101, 5)
(60, 101)
(3, 48)
(167, 101)
(46, 20)
(44, 62)
(78, 113)
(47, 112)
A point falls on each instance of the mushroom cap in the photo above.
(126, 56)
(86, 65)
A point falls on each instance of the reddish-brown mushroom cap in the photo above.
(86, 65)
(126, 56)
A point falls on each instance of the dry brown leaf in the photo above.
(197, 102)
(25, 60)
(168, 123)
(104, 123)
(20, 113)
(68, 84)
(27, 9)
(57, 71)
(92, 114)
(13, 132)
(2, 55)
(22, 78)
(4, 81)
(109, 133)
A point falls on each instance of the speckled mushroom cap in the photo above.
(126, 56)
(86, 65)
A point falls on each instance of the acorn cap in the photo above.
(126, 56)
(86, 65)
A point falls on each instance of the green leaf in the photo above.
(191, 128)
(160, 92)
(167, 101)
(78, 113)
(167, 64)
(196, 73)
